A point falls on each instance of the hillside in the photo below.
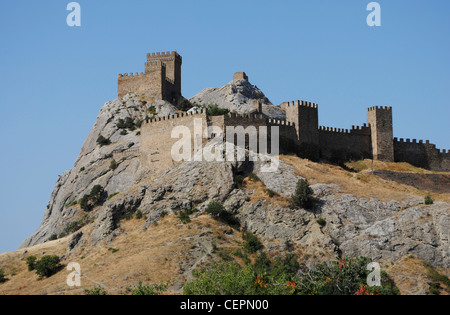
(125, 224)
(164, 249)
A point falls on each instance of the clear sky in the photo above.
(55, 78)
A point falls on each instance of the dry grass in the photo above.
(153, 256)
(362, 184)
(410, 276)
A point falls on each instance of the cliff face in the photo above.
(355, 225)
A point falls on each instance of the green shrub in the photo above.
(239, 180)
(95, 291)
(94, 198)
(138, 214)
(53, 237)
(113, 165)
(2, 276)
(218, 211)
(429, 200)
(103, 141)
(321, 222)
(31, 262)
(184, 104)
(123, 133)
(127, 123)
(302, 196)
(82, 169)
(215, 110)
(47, 266)
(154, 289)
(252, 243)
(215, 209)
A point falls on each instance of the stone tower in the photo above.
(305, 117)
(380, 123)
(161, 80)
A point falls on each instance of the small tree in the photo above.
(252, 244)
(47, 266)
(31, 261)
(103, 141)
(215, 209)
(429, 200)
(2, 276)
(303, 194)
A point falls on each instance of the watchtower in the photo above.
(305, 117)
(161, 80)
(380, 121)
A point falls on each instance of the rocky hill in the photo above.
(237, 96)
(361, 213)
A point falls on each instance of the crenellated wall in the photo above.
(345, 144)
(421, 154)
(334, 144)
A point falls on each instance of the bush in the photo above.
(94, 198)
(138, 214)
(128, 123)
(429, 200)
(31, 262)
(53, 237)
(215, 110)
(113, 165)
(215, 208)
(252, 243)
(103, 141)
(184, 104)
(154, 289)
(239, 180)
(321, 222)
(47, 266)
(302, 196)
(218, 211)
(2, 276)
(184, 215)
(95, 291)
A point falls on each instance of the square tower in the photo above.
(380, 121)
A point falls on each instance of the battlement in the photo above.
(299, 103)
(280, 122)
(388, 108)
(251, 116)
(131, 75)
(159, 55)
(175, 116)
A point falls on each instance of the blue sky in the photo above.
(55, 78)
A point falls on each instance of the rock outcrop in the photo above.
(237, 96)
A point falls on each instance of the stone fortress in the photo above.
(299, 133)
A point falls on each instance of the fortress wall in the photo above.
(157, 142)
(149, 84)
(421, 154)
(345, 144)
(288, 139)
